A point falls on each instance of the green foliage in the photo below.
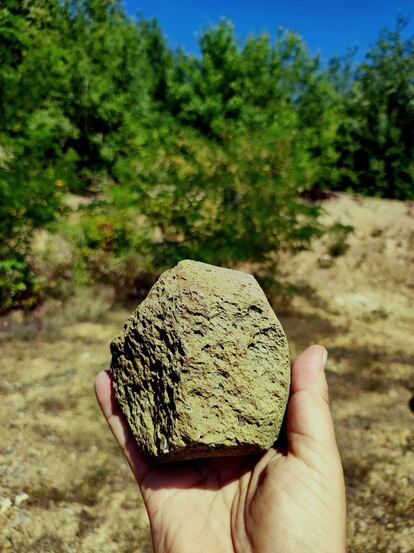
(224, 203)
(108, 93)
(376, 140)
(338, 239)
(17, 284)
(179, 156)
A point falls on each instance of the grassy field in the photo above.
(56, 448)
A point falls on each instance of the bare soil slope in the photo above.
(55, 448)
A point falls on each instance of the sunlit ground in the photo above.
(56, 448)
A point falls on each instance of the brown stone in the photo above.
(202, 367)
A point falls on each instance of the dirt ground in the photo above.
(79, 494)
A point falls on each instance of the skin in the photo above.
(290, 500)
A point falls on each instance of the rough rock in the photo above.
(202, 366)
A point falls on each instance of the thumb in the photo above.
(309, 422)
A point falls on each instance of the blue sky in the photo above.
(328, 27)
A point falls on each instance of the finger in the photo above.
(309, 422)
(118, 425)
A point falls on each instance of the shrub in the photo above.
(230, 204)
(223, 204)
(29, 198)
(18, 286)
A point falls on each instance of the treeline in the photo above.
(179, 156)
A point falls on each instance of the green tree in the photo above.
(33, 130)
(76, 87)
(376, 140)
(216, 169)
(109, 87)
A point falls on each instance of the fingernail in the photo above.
(325, 357)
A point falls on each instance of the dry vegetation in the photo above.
(56, 448)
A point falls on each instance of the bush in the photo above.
(224, 204)
(29, 198)
(114, 244)
(18, 287)
(232, 203)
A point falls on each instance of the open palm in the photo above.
(289, 500)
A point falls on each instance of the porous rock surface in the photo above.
(202, 366)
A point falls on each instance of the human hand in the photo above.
(287, 501)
